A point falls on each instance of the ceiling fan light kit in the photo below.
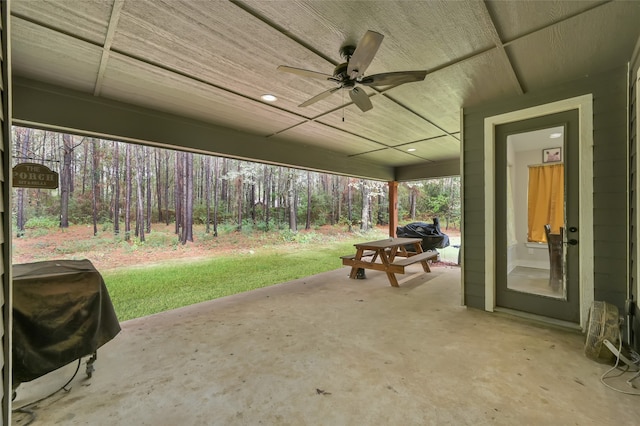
(350, 74)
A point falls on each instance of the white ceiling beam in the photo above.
(106, 48)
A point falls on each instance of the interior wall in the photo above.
(610, 197)
(512, 237)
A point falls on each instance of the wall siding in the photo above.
(633, 190)
(5, 215)
(610, 182)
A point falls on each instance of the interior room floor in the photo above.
(532, 280)
(327, 350)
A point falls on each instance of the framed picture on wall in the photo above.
(551, 155)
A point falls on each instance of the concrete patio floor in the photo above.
(326, 350)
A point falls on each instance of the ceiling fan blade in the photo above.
(305, 73)
(319, 97)
(393, 78)
(364, 53)
(361, 99)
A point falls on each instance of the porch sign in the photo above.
(32, 175)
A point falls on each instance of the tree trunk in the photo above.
(252, 201)
(20, 216)
(65, 180)
(307, 225)
(140, 195)
(380, 220)
(95, 176)
(276, 191)
(291, 201)
(216, 178)
(207, 192)
(22, 146)
(267, 197)
(188, 198)
(239, 198)
(158, 164)
(452, 203)
(147, 168)
(364, 217)
(335, 201)
(338, 194)
(412, 200)
(166, 186)
(224, 185)
(349, 205)
(127, 192)
(116, 201)
(178, 192)
(84, 167)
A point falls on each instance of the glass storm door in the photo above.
(537, 229)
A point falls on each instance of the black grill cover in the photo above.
(61, 312)
(432, 237)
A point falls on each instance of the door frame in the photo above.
(584, 105)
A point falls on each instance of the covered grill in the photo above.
(61, 313)
(432, 236)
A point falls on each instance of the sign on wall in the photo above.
(32, 175)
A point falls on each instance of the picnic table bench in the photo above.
(393, 257)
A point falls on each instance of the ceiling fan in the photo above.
(351, 73)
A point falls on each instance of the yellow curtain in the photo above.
(545, 200)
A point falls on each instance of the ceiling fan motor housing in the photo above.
(347, 51)
(340, 71)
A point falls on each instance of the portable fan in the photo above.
(603, 327)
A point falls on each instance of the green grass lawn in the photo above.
(141, 291)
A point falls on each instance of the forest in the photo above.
(125, 188)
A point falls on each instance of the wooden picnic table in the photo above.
(393, 257)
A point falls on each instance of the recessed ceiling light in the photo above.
(411, 149)
(555, 135)
(269, 98)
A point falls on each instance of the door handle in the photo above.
(572, 242)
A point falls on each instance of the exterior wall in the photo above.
(5, 216)
(610, 197)
(634, 184)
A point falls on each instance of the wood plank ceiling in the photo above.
(212, 60)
